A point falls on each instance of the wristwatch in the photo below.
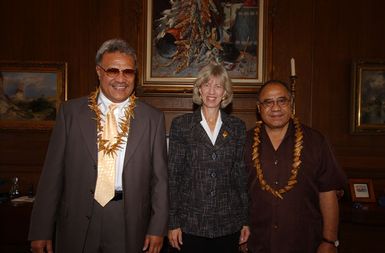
(335, 243)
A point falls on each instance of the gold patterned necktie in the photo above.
(105, 184)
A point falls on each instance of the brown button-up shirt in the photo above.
(293, 224)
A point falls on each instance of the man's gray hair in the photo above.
(115, 45)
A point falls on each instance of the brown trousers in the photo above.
(106, 233)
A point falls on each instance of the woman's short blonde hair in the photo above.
(213, 70)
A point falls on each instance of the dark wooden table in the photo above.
(362, 229)
(14, 225)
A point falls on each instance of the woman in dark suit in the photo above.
(207, 181)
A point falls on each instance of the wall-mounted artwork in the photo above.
(30, 93)
(361, 190)
(183, 36)
(368, 97)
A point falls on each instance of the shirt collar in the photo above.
(104, 103)
(290, 132)
(219, 119)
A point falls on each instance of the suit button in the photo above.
(214, 156)
(275, 226)
(213, 174)
(92, 191)
(212, 194)
(276, 182)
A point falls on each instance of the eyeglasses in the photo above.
(114, 72)
(281, 102)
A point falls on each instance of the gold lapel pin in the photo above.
(225, 134)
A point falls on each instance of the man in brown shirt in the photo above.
(293, 180)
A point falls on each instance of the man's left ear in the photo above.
(97, 72)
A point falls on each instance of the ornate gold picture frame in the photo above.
(30, 93)
(368, 97)
(180, 38)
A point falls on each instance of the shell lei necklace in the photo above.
(295, 166)
(105, 145)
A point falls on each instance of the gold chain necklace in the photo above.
(105, 145)
(295, 166)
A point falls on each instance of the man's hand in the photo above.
(245, 233)
(326, 248)
(175, 238)
(153, 244)
(244, 236)
(41, 246)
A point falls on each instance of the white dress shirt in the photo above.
(212, 135)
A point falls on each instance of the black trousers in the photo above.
(197, 244)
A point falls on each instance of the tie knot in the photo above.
(112, 107)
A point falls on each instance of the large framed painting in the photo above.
(30, 93)
(180, 37)
(368, 97)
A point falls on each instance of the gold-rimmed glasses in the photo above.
(114, 72)
(281, 102)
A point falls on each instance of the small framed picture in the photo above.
(368, 97)
(362, 190)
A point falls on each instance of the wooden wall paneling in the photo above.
(293, 37)
(42, 30)
(24, 147)
(109, 15)
(131, 19)
(21, 155)
(243, 107)
(301, 48)
(246, 109)
(366, 165)
(82, 24)
(341, 38)
(171, 106)
(373, 32)
(331, 72)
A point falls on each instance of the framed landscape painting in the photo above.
(368, 97)
(30, 93)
